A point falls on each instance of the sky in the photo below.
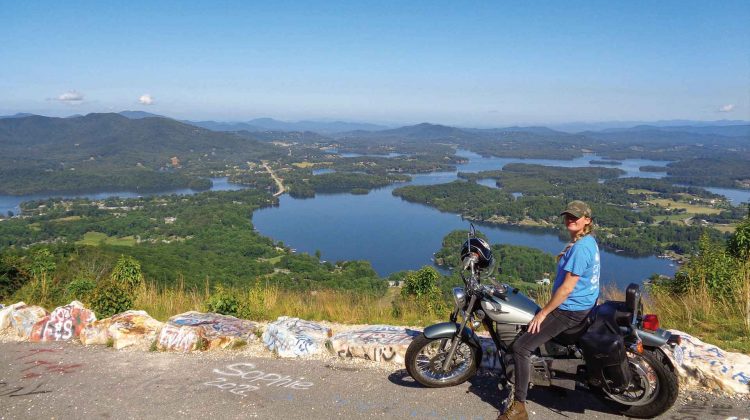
(462, 63)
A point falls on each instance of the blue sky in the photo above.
(466, 63)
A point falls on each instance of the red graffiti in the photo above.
(38, 368)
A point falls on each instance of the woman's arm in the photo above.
(562, 293)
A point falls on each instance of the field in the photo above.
(98, 238)
(690, 209)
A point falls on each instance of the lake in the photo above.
(395, 235)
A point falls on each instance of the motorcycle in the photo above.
(618, 353)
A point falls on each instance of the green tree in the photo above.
(127, 272)
(739, 243)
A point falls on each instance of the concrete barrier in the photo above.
(23, 319)
(711, 366)
(380, 343)
(123, 330)
(294, 337)
(204, 331)
(64, 323)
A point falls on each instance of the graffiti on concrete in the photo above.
(64, 323)
(376, 342)
(712, 366)
(122, 330)
(293, 337)
(6, 315)
(216, 325)
(244, 378)
(23, 319)
(178, 338)
(8, 390)
(203, 331)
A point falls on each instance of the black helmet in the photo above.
(481, 248)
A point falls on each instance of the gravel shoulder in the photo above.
(61, 381)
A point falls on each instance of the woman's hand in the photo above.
(536, 322)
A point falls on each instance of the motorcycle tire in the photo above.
(412, 355)
(667, 392)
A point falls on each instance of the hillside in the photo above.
(93, 152)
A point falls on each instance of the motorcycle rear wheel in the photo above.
(425, 357)
(665, 383)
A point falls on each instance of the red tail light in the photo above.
(651, 322)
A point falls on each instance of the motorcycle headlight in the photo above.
(459, 296)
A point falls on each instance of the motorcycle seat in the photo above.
(571, 335)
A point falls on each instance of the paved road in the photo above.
(66, 381)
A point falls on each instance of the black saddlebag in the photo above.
(604, 350)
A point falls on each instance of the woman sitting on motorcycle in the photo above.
(574, 293)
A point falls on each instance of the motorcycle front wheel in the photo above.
(425, 358)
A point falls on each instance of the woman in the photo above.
(574, 293)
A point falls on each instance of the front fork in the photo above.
(457, 338)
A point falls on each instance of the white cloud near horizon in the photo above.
(70, 97)
(146, 99)
(726, 108)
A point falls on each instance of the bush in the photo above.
(223, 302)
(421, 287)
(127, 272)
(80, 289)
(110, 298)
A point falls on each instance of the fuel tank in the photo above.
(514, 308)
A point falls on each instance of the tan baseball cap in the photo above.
(577, 208)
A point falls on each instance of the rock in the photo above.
(711, 366)
(294, 337)
(123, 330)
(64, 323)
(6, 315)
(24, 317)
(377, 342)
(204, 331)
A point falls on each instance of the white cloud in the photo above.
(726, 108)
(146, 99)
(70, 97)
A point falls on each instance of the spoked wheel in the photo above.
(653, 388)
(425, 358)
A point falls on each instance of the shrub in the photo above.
(223, 302)
(110, 298)
(127, 272)
(80, 289)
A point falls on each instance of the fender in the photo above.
(448, 330)
(657, 338)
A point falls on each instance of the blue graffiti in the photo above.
(743, 379)
(716, 351)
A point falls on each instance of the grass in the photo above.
(695, 313)
(268, 303)
(641, 191)
(98, 238)
(689, 208)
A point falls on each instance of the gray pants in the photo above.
(555, 323)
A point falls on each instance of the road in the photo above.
(279, 184)
(70, 381)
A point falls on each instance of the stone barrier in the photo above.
(204, 331)
(24, 317)
(64, 323)
(6, 315)
(380, 343)
(711, 366)
(122, 330)
(294, 337)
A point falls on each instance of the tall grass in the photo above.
(720, 320)
(266, 303)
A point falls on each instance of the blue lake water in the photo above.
(397, 235)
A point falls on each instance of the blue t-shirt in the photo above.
(582, 259)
